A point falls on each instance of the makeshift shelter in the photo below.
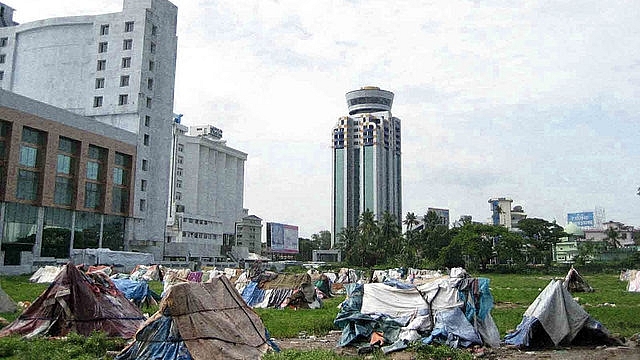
(633, 278)
(455, 311)
(45, 274)
(280, 290)
(6, 303)
(576, 283)
(137, 291)
(555, 318)
(81, 303)
(200, 321)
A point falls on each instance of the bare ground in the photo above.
(631, 350)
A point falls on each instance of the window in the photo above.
(104, 29)
(92, 195)
(94, 186)
(181, 147)
(180, 160)
(179, 171)
(147, 120)
(3, 58)
(128, 26)
(179, 184)
(65, 171)
(143, 204)
(152, 65)
(126, 62)
(124, 80)
(102, 64)
(120, 191)
(99, 83)
(29, 163)
(102, 47)
(143, 185)
(145, 165)
(154, 30)
(152, 47)
(123, 99)
(150, 84)
(178, 196)
(97, 101)
(145, 140)
(1, 75)
(149, 102)
(4, 41)
(127, 44)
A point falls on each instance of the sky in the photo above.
(537, 101)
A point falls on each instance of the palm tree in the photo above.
(410, 220)
(612, 237)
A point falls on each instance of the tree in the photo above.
(540, 236)
(410, 220)
(322, 240)
(612, 237)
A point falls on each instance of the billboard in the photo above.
(582, 219)
(283, 238)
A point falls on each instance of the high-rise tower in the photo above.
(366, 159)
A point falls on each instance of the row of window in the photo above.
(31, 163)
(197, 235)
(128, 27)
(123, 99)
(124, 81)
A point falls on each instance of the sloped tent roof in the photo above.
(81, 303)
(555, 318)
(6, 303)
(576, 283)
(372, 307)
(45, 274)
(271, 290)
(200, 321)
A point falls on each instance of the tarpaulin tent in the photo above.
(200, 321)
(45, 274)
(555, 318)
(136, 291)
(576, 283)
(633, 277)
(78, 302)
(456, 309)
(274, 290)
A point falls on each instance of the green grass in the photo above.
(287, 323)
(521, 290)
(512, 295)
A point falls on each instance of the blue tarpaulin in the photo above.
(252, 294)
(147, 346)
(133, 290)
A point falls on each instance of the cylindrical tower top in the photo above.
(369, 99)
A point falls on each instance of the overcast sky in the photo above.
(535, 101)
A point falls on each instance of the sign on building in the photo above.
(282, 238)
(581, 219)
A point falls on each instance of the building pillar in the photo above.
(3, 206)
(73, 234)
(37, 247)
(101, 229)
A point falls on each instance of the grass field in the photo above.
(512, 295)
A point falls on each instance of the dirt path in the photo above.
(629, 352)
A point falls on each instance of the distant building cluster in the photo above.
(91, 153)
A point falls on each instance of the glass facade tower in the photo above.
(366, 160)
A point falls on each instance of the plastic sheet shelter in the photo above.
(81, 303)
(555, 318)
(200, 321)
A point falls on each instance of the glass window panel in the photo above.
(64, 164)
(28, 156)
(92, 195)
(63, 194)
(27, 185)
(93, 170)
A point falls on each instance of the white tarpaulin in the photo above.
(45, 274)
(385, 299)
(560, 315)
(126, 259)
(441, 294)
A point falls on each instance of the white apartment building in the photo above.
(207, 193)
(116, 68)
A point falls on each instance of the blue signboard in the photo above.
(582, 219)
